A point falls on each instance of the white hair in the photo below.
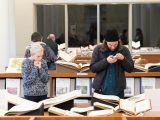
(35, 47)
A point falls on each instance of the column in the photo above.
(7, 32)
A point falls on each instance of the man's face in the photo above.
(112, 45)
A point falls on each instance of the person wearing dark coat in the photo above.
(48, 55)
(110, 61)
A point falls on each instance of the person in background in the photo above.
(139, 36)
(51, 42)
(109, 61)
(35, 75)
(124, 37)
(48, 55)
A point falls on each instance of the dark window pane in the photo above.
(114, 16)
(82, 25)
(50, 19)
(146, 18)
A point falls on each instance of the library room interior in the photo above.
(86, 60)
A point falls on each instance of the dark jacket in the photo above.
(52, 45)
(99, 65)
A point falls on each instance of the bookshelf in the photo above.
(55, 74)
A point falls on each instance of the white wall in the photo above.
(7, 32)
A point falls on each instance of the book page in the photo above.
(148, 65)
(61, 46)
(2, 112)
(81, 110)
(68, 64)
(62, 98)
(136, 44)
(100, 112)
(154, 96)
(83, 84)
(143, 106)
(13, 86)
(68, 57)
(24, 108)
(14, 65)
(106, 97)
(140, 67)
(147, 83)
(62, 112)
(18, 100)
(2, 83)
(3, 100)
(105, 106)
(127, 105)
(137, 98)
(129, 91)
(63, 86)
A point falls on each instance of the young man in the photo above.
(109, 61)
(48, 55)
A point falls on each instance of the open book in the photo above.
(132, 105)
(70, 65)
(21, 109)
(68, 57)
(14, 65)
(149, 67)
(100, 112)
(61, 112)
(82, 109)
(61, 98)
(136, 45)
(133, 108)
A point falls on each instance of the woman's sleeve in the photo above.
(29, 73)
(43, 72)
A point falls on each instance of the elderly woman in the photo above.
(35, 75)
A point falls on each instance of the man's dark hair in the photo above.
(35, 37)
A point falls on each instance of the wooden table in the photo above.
(115, 116)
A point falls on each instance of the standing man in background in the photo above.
(109, 61)
(51, 42)
(48, 55)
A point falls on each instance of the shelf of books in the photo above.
(136, 82)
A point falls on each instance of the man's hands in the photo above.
(112, 59)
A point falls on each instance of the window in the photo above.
(146, 19)
(82, 25)
(113, 16)
(50, 19)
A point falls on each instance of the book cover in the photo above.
(63, 86)
(13, 86)
(3, 99)
(61, 98)
(14, 65)
(61, 112)
(62, 66)
(83, 84)
(133, 108)
(147, 83)
(2, 83)
(129, 91)
(148, 67)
